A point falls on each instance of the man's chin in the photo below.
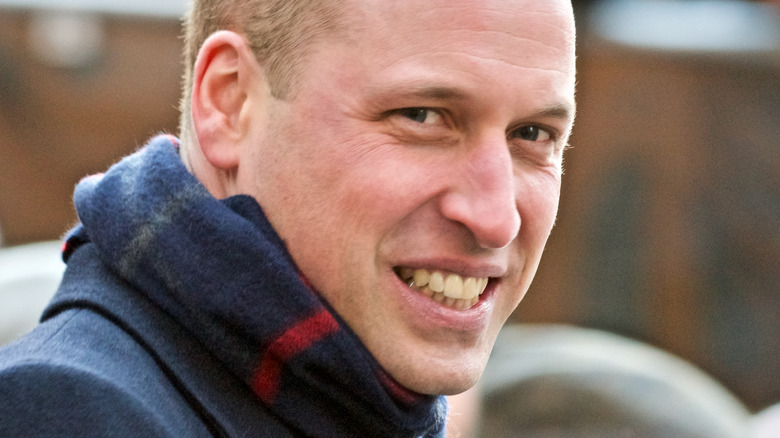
(440, 378)
(450, 387)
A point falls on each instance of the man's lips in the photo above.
(446, 288)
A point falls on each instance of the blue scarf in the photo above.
(220, 270)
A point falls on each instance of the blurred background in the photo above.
(669, 227)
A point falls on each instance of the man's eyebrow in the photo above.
(424, 91)
(559, 111)
(563, 111)
(437, 93)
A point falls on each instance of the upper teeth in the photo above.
(451, 285)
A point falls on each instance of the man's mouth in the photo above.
(448, 289)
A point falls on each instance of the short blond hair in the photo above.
(279, 32)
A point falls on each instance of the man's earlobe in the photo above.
(219, 95)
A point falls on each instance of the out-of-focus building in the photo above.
(669, 227)
(82, 83)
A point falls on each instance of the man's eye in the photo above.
(531, 133)
(422, 115)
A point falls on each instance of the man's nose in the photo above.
(482, 195)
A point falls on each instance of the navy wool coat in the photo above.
(107, 362)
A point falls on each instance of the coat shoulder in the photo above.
(47, 399)
(79, 375)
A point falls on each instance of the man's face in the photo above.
(418, 164)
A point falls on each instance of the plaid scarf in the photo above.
(219, 269)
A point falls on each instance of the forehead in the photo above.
(502, 29)
(504, 41)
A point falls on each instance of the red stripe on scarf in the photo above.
(296, 339)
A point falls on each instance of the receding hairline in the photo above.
(279, 32)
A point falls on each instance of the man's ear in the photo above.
(224, 73)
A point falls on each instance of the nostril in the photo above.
(495, 230)
(491, 218)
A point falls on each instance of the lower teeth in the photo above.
(439, 297)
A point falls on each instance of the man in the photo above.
(406, 158)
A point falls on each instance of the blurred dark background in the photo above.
(669, 227)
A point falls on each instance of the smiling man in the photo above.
(360, 197)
